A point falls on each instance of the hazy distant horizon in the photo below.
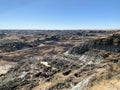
(60, 29)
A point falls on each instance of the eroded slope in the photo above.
(87, 66)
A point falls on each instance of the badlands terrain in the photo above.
(59, 60)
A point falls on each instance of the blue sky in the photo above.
(59, 14)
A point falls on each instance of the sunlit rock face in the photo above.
(5, 67)
(111, 44)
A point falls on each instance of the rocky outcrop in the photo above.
(52, 38)
(8, 47)
(111, 44)
(13, 46)
(26, 74)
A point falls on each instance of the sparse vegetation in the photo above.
(59, 60)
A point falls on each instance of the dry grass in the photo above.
(113, 84)
(43, 85)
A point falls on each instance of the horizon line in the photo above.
(62, 29)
